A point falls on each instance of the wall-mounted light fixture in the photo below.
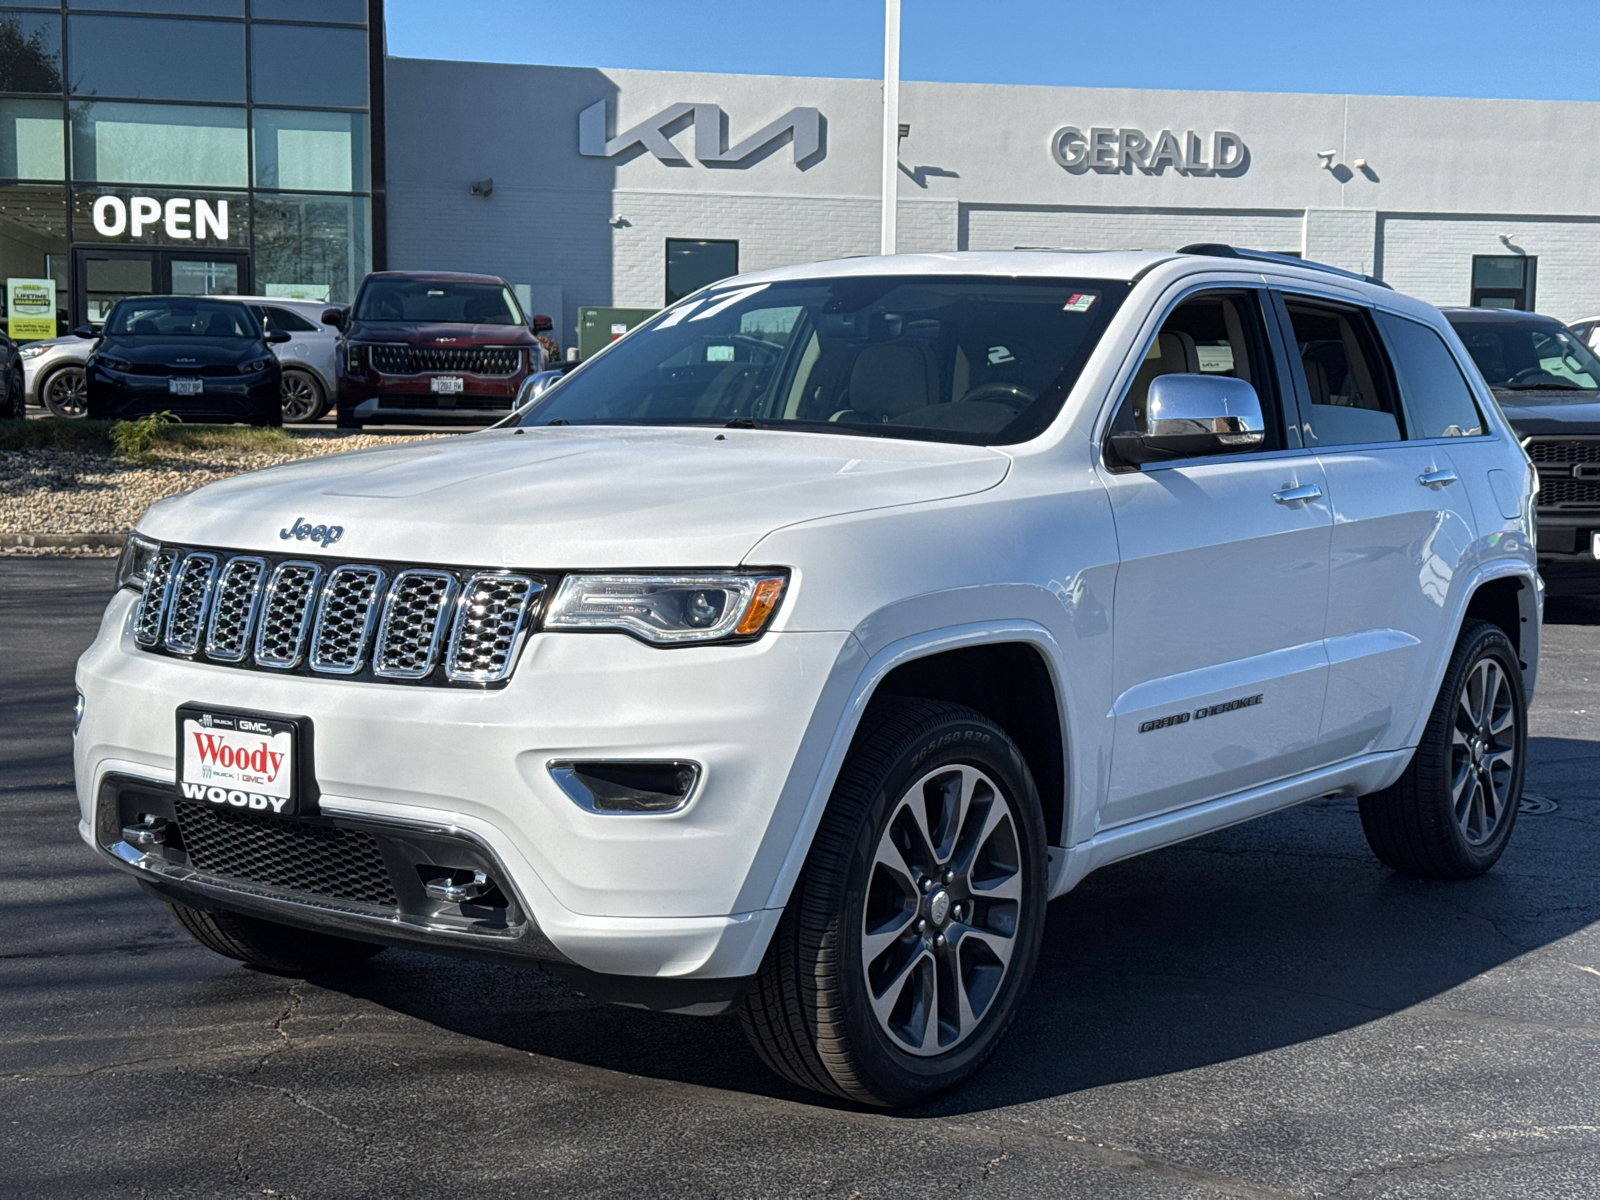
(1360, 164)
(483, 187)
(1326, 158)
(617, 221)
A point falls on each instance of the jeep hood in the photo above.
(578, 497)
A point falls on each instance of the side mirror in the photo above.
(86, 331)
(334, 317)
(278, 336)
(1188, 416)
(542, 323)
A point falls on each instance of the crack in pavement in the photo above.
(125, 948)
(1446, 1165)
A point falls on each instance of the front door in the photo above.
(104, 276)
(1222, 588)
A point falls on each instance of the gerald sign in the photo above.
(1123, 150)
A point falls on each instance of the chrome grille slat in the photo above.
(151, 614)
(233, 608)
(286, 614)
(416, 615)
(190, 598)
(380, 622)
(345, 616)
(489, 618)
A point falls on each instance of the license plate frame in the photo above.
(1594, 545)
(185, 386)
(447, 385)
(293, 793)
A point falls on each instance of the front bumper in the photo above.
(656, 896)
(255, 397)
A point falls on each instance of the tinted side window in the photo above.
(1437, 399)
(1346, 377)
(1214, 333)
(282, 318)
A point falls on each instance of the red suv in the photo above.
(430, 347)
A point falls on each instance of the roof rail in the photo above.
(1218, 250)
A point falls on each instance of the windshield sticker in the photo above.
(1080, 301)
(719, 353)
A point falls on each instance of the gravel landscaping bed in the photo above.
(46, 493)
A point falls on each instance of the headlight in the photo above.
(32, 351)
(137, 553)
(668, 609)
(112, 364)
(352, 359)
(256, 364)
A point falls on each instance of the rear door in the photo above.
(1403, 525)
(1221, 594)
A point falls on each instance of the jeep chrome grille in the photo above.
(366, 620)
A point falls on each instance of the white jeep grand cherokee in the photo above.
(787, 657)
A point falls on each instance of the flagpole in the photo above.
(891, 120)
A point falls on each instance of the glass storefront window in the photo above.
(348, 12)
(188, 220)
(31, 143)
(198, 8)
(159, 143)
(302, 64)
(33, 245)
(311, 151)
(314, 247)
(30, 53)
(148, 58)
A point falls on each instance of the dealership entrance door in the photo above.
(102, 277)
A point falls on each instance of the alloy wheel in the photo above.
(66, 393)
(943, 902)
(1483, 751)
(300, 397)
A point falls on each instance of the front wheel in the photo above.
(66, 392)
(911, 937)
(1450, 815)
(303, 398)
(269, 946)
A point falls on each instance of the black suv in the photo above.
(1548, 384)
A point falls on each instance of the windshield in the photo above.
(979, 359)
(179, 317)
(423, 300)
(1525, 355)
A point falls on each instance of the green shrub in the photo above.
(133, 440)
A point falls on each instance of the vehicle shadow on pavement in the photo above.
(1268, 935)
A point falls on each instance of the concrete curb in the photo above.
(62, 541)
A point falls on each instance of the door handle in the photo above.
(1437, 477)
(1294, 495)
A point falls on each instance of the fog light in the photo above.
(150, 831)
(628, 787)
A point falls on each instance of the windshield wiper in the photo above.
(1552, 386)
(740, 423)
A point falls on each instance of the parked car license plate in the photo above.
(186, 387)
(238, 761)
(448, 385)
(1594, 544)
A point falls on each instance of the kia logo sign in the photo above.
(802, 126)
(179, 217)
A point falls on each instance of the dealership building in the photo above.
(271, 146)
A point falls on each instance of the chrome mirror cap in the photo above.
(1188, 416)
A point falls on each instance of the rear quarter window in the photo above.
(1438, 402)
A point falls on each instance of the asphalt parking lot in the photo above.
(1263, 1012)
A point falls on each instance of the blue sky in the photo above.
(1387, 47)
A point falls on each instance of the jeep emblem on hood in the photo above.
(323, 535)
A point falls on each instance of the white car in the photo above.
(789, 656)
(53, 369)
(1588, 330)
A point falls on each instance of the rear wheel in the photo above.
(65, 392)
(268, 945)
(17, 394)
(303, 398)
(1451, 814)
(912, 935)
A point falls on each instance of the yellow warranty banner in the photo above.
(30, 309)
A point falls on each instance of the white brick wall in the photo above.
(1430, 257)
(1342, 237)
(986, 227)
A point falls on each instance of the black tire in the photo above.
(809, 1011)
(1428, 822)
(268, 946)
(17, 395)
(64, 392)
(304, 398)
